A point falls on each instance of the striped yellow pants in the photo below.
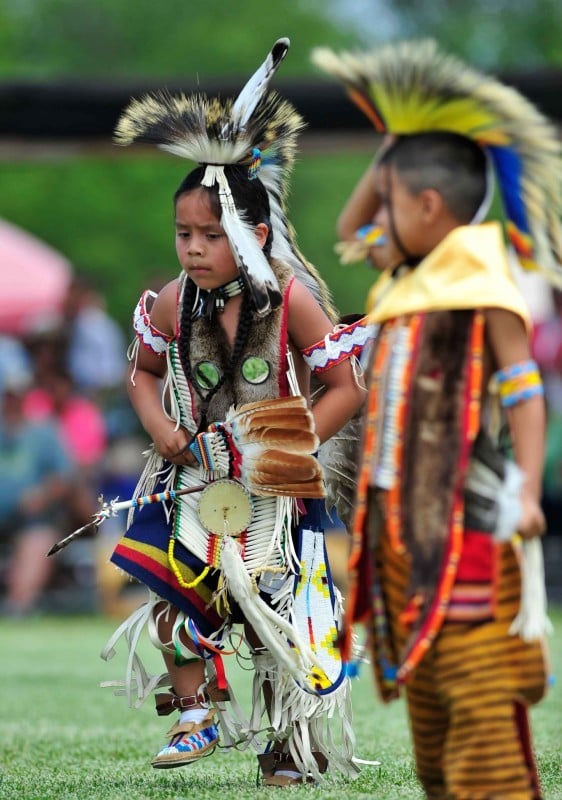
(468, 698)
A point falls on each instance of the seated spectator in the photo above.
(14, 359)
(81, 426)
(35, 474)
(46, 345)
(96, 344)
(79, 419)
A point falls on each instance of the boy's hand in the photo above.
(532, 522)
(173, 445)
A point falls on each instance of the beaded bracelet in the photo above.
(519, 382)
(211, 449)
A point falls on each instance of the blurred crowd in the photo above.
(67, 436)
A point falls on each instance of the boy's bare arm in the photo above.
(363, 202)
(509, 344)
(144, 386)
(360, 207)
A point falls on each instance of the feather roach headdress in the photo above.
(412, 88)
(257, 130)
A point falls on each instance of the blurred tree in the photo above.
(119, 38)
(112, 217)
(109, 38)
(506, 34)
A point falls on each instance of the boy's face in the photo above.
(202, 245)
(399, 215)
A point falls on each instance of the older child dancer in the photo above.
(231, 338)
(429, 573)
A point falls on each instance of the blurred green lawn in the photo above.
(64, 737)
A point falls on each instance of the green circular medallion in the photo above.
(207, 374)
(255, 369)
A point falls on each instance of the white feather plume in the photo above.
(246, 102)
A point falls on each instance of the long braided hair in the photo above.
(252, 202)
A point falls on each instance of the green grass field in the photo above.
(64, 738)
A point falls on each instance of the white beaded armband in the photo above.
(345, 341)
(150, 337)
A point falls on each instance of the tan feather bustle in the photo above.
(298, 439)
(285, 403)
(290, 426)
(285, 473)
(294, 420)
(412, 87)
(276, 440)
(306, 491)
(282, 472)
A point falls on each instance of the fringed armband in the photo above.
(146, 334)
(519, 382)
(345, 341)
(150, 337)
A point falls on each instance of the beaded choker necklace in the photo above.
(214, 301)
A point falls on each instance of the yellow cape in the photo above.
(467, 269)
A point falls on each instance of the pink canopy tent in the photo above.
(33, 280)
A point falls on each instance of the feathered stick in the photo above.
(112, 508)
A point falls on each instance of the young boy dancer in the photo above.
(435, 571)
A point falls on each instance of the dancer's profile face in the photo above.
(399, 214)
